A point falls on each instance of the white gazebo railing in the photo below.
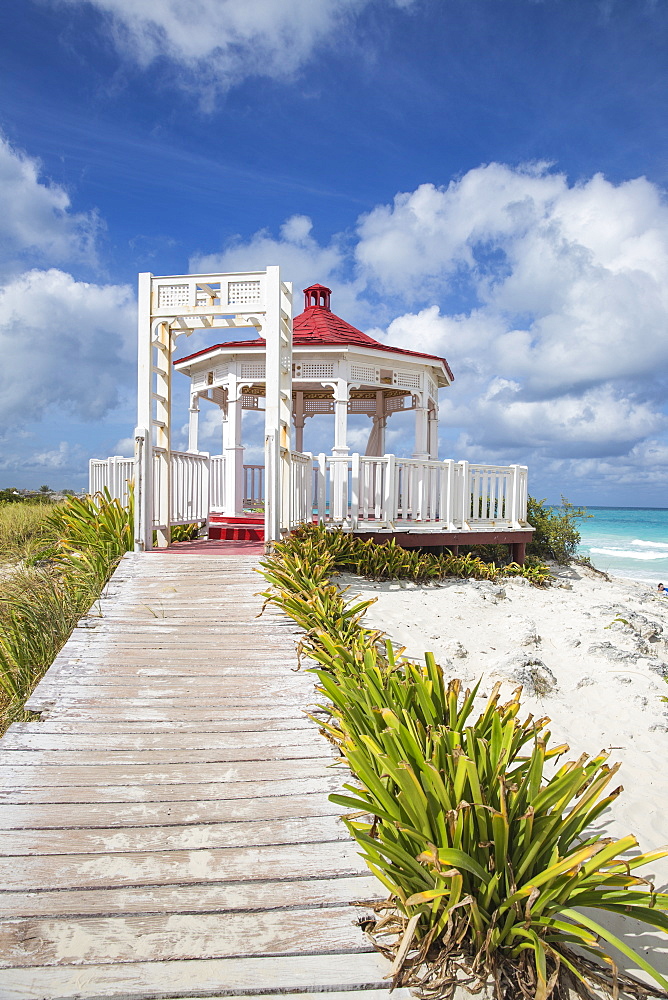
(386, 492)
(355, 492)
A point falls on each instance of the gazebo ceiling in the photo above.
(318, 327)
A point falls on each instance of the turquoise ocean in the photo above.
(627, 541)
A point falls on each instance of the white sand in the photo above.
(605, 677)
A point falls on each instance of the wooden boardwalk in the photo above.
(165, 830)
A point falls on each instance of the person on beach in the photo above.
(661, 589)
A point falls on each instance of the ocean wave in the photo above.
(650, 545)
(630, 554)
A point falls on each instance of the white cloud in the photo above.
(36, 221)
(218, 43)
(65, 345)
(302, 260)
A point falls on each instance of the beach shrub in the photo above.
(389, 561)
(555, 529)
(485, 851)
(39, 605)
(24, 529)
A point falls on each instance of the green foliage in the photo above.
(184, 532)
(555, 529)
(39, 605)
(24, 529)
(485, 851)
(388, 561)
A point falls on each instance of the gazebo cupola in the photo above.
(336, 369)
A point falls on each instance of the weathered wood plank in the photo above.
(219, 897)
(61, 816)
(145, 792)
(90, 871)
(63, 744)
(296, 973)
(15, 776)
(105, 940)
(192, 836)
(100, 727)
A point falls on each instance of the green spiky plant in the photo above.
(485, 855)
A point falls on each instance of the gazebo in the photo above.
(292, 370)
(336, 369)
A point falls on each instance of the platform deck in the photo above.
(165, 829)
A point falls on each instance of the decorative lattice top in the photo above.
(253, 371)
(321, 370)
(410, 380)
(365, 373)
(243, 293)
(171, 296)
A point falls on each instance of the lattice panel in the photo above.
(249, 402)
(243, 293)
(318, 406)
(364, 373)
(314, 370)
(432, 388)
(362, 406)
(218, 396)
(394, 403)
(253, 371)
(407, 380)
(173, 296)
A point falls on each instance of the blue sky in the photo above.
(480, 178)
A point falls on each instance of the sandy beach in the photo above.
(590, 654)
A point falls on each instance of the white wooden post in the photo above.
(421, 427)
(193, 423)
(322, 487)
(300, 420)
(355, 491)
(390, 498)
(433, 433)
(515, 497)
(341, 418)
(143, 474)
(233, 451)
(278, 413)
(466, 493)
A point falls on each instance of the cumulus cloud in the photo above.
(559, 343)
(218, 43)
(65, 345)
(302, 260)
(36, 220)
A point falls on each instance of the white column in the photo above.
(143, 472)
(193, 423)
(433, 433)
(278, 407)
(341, 418)
(233, 451)
(299, 421)
(421, 427)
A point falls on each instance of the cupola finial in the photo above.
(317, 297)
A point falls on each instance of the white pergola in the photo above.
(336, 369)
(172, 306)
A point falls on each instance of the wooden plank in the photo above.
(218, 897)
(90, 871)
(60, 816)
(145, 792)
(72, 743)
(105, 940)
(99, 727)
(14, 776)
(191, 836)
(171, 716)
(91, 758)
(296, 973)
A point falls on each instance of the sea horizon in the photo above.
(627, 542)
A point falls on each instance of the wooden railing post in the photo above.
(355, 491)
(390, 500)
(321, 473)
(466, 497)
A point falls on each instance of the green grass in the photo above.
(80, 542)
(24, 529)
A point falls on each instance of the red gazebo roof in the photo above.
(318, 326)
